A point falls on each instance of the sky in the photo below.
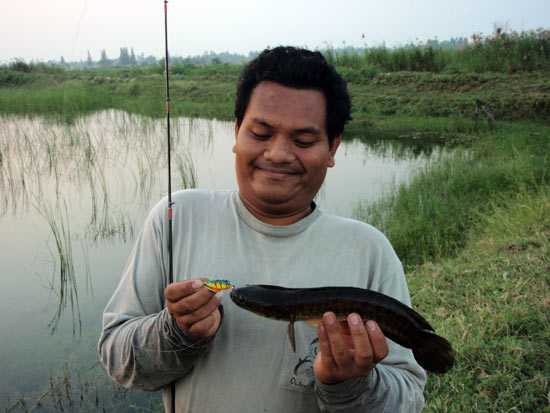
(43, 30)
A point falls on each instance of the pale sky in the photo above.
(40, 30)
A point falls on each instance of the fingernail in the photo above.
(219, 295)
(197, 284)
(354, 320)
(331, 319)
(371, 325)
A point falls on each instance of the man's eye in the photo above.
(259, 136)
(304, 144)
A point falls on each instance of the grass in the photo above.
(492, 302)
(428, 217)
(378, 101)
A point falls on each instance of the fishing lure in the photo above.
(218, 285)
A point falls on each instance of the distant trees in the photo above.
(133, 60)
(124, 58)
(128, 57)
(103, 61)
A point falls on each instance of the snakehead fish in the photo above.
(398, 322)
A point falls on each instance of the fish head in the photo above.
(260, 301)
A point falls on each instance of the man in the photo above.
(290, 112)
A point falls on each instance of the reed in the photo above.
(185, 171)
(66, 286)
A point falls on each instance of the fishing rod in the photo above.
(170, 203)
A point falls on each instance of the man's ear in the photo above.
(236, 133)
(332, 151)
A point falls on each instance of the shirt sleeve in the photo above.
(141, 345)
(396, 384)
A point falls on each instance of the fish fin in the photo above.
(313, 321)
(435, 354)
(291, 335)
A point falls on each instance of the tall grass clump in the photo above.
(501, 52)
(427, 217)
(506, 52)
(64, 287)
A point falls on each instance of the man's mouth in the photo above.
(278, 171)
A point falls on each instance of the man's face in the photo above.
(282, 150)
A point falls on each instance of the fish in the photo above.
(217, 285)
(398, 322)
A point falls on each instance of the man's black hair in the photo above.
(299, 69)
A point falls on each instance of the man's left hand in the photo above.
(347, 349)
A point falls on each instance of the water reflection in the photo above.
(403, 145)
(72, 198)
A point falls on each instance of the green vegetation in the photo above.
(474, 230)
(492, 302)
(78, 93)
(500, 53)
(507, 71)
(428, 217)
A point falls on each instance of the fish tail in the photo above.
(436, 354)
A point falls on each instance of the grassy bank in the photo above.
(84, 93)
(211, 95)
(428, 218)
(492, 302)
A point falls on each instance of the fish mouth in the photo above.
(236, 298)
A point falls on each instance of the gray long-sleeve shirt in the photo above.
(249, 366)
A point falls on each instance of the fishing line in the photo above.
(152, 350)
(71, 57)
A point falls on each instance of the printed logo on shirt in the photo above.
(303, 376)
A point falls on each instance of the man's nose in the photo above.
(280, 150)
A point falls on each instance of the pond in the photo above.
(72, 200)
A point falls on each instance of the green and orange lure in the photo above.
(218, 285)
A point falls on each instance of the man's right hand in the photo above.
(194, 307)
